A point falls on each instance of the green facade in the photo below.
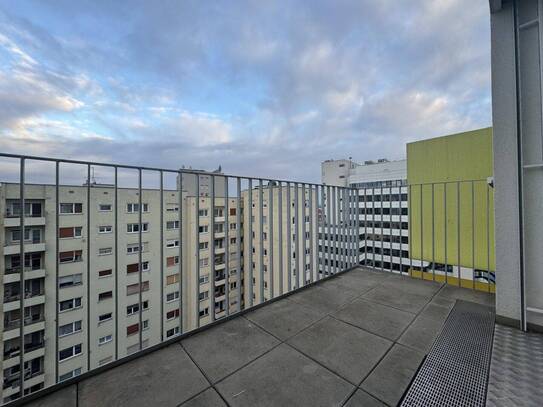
(451, 204)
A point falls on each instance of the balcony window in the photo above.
(68, 305)
(70, 281)
(32, 209)
(69, 329)
(70, 208)
(71, 256)
(70, 352)
(31, 235)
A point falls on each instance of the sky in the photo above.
(262, 88)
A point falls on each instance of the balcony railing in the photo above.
(287, 235)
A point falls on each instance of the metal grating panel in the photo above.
(455, 372)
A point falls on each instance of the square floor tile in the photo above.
(284, 318)
(467, 294)
(392, 376)
(344, 349)
(209, 398)
(421, 333)
(284, 377)
(362, 399)
(324, 299)
(143, 381)
(224, 348)
(377, 318)
(398, 298)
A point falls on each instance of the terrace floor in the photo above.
(356, 339)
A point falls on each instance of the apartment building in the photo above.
(383, 209)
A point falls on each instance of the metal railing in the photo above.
(267, 241)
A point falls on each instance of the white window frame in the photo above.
(73, 212)
(175, 295)
(73, 348)
(73, 325)
(105, 229)
(105, 339)
(134, 227)
(101, 206)
(171, 243)
(105, 251)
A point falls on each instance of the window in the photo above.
(204, 312)
(134, 207)
(134, 308)
(105, 317)
(203, 245)
(172, 296)
(204, 262)
(232, 226)
(172, 207)
(135, 227)
(172, 332)
(172, 243)
(105, 339)
(70, 208)
(133, 248)
(68, 305)
(172, 224)
(132, 329)
(232, 240)
(172, 314)
(71, 280)
(69, 329)
(105, 273)
(134, 267)
(69, 375)
(71, 256)
(202, 212)
(69, 352)
(105, 295)
(135, 288)
(104, 251)
(172, 261)
(104, 207)
(203, 228)
(203, 296)
(219, 212)
(70, 233)
(204, 279)
(105, 229)
(232, 211)
(172, 279)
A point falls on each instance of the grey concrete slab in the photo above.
(324, 297)
(437, 312)
(414, 285)
(392, 376)
(343, 348)
(359, 282)
(377, 318)
(209, 398)
(398, 298)
(284, 377)
(166, 377)
(284, 318)
(226, 347)
(467, 294)
(362, 399)
(66, 397)
(421, 333)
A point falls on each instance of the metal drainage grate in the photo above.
(455, 372)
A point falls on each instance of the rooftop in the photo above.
(355, 339)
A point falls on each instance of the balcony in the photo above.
(357, 338)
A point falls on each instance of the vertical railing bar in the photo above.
(472, 235)
(382, 250)
(320, 221)
(289, 239)
(226, 246)
(270, 239)
(22, 276)
(197, 245)
(212, 247)
(340, 213)
(297, 235)
(445, 232)
(116, 238)
(391, 238)
(421, 233)
(162, 253)
(57, 266)
(181, 243)
(373, 226)
(304, 240)
(311, 238)
(238, 240)
(140, 262)
(344, 229)
(365, 226)
(357, 227)
(335, 229)
(348, 228)
(280, 234)
(261, 239)
(251, 240)
(488, 235)
(410, 227)
(433, 237)
(328, 233)
(458, 232)
(88, 268)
